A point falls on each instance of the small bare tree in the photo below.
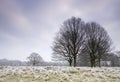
(69, 41)
(34, 59)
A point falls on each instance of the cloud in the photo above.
(15, 17)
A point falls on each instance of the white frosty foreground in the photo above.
(59, 74)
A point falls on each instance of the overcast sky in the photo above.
(28, 26)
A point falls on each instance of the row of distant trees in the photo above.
(34, 59)
(77, 39)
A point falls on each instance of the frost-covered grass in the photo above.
(59, 74)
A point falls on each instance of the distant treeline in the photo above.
(6, 62)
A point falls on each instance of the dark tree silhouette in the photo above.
(68, 42)
(98, 43)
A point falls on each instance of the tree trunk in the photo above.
(94, 65)
(99, 62)
(92, 61)
(33, 63)
(70, 63)
(75, 64)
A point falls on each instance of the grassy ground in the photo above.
(59, 74)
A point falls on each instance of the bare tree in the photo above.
(69, 41)
(98, 42)
(35, 59)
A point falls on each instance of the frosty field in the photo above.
(59, 74)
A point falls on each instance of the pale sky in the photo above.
(28, 26)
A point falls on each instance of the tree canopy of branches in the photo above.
(34, 59)
(98, 43)
(79, 38)
(68, 42)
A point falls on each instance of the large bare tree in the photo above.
(98, 42)
(68, 42)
